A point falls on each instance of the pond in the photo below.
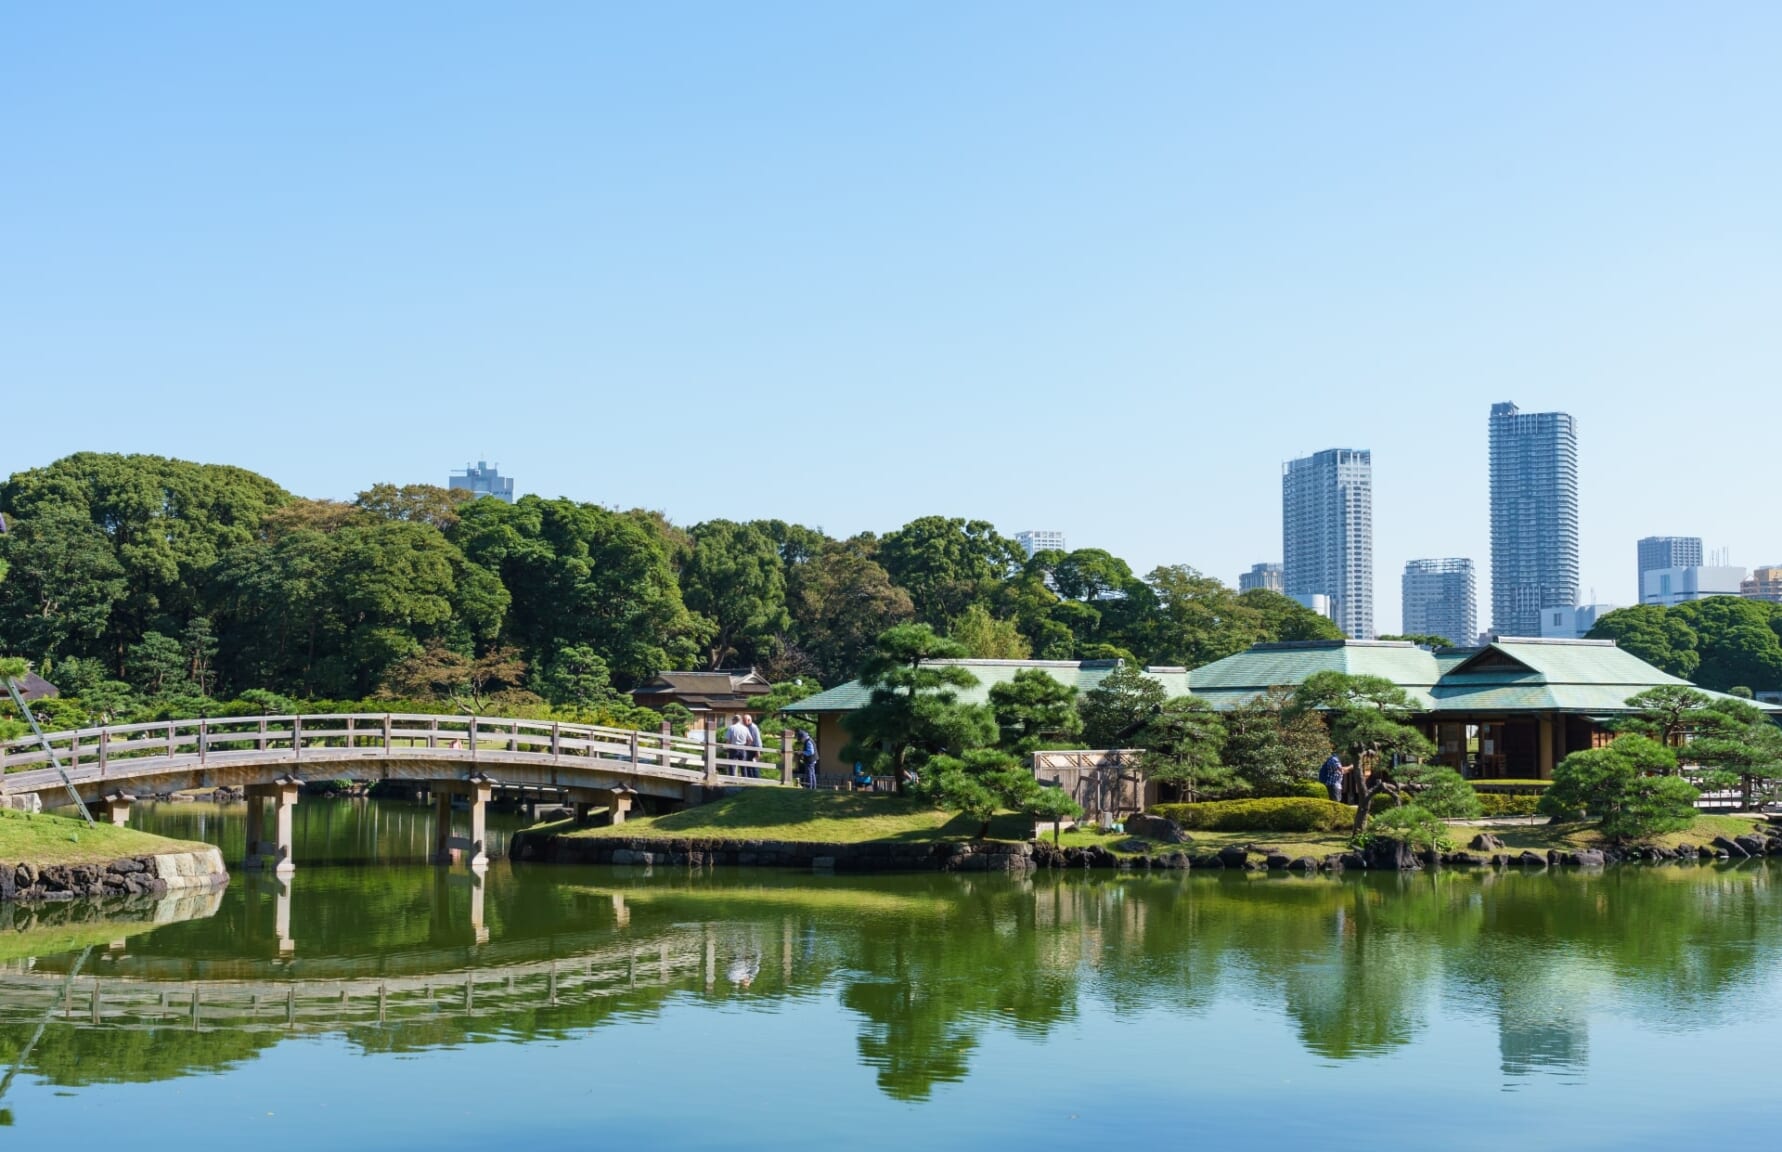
(374, 1001)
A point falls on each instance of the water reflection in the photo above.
(409, 958)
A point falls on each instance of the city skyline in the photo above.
(1534, 516)
(1210, 268)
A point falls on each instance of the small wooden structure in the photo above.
(1106, 781)
(704, 693)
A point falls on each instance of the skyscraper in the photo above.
(1263, 575)
(1666, 552)
(1440, 599)
(1327, 534)
(1534, 517)
(1040, 540)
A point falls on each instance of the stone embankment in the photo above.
(131, 876)
(1485, 851)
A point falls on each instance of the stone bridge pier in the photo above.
(274, 854)
(474, 847)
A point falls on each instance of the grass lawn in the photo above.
(42, 839)
(800, 814)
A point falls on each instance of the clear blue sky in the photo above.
(1093, 267)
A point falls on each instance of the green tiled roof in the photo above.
(1578, 676)
(1079, 674)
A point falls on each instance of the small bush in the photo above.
(1508, 804)
(1310, 789)
(1273, 814)
(1445, 793)
(1413, 824)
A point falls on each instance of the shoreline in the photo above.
(870, 857)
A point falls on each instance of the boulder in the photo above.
(1751, 844)
(1588, 858)
(1464, 860)
(1390, 855)
(1485, 842)
(1234, 856)
(1353, 860)
(1530, 860)
(1279, 861)
(1157, 828)
(1304, 864)
(1730, 848)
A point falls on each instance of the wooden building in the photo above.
(704, 693)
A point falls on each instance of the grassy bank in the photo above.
(41, 839)
(795, 814)
(1516, 837)
(799, 814)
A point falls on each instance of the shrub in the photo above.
(1615, 785)
(1310, 789)
(1414, 824)
(1508, 804)
(1271, 814)
(1445, 793)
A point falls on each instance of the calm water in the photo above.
(375, 1003)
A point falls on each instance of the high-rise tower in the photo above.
(1440, 599)
(1327, 534)
(1534, 517)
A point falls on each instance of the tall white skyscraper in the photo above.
(1327, 534)
(1440, 599)
(1036, 540)
(1534, 517)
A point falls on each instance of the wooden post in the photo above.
(478, 857)
(104, 748)
(74, 751)
(556, 741)
(786, 771)
(633, 753)
(261, 742)
(386, 733)
(170, 740)
(711, 763)
(473, 739)
(203, 740)
(296, 737)
(349, 736)
(433, 732)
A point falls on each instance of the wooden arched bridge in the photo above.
(270, 757)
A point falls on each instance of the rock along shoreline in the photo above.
(997, 856)
(154, 875)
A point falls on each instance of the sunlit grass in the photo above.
(40, 838)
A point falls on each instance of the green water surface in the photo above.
(374, 1001)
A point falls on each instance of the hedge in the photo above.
(1508, 804)
(1274, 814)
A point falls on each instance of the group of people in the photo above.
(740, 737)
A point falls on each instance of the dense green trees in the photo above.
(1723, 642)
(1626, 786)
(914, 711)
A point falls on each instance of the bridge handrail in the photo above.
(88, 752)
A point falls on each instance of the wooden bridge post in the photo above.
(711, 760)
(788, 775)
(260, 740)
(281, 917)
(556, 741)
(104, 748)
(171, 745)
(203, 740)
(350, 726)
(386, 733)
(477, 857)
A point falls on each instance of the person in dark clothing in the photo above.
(1331, 776)
(807, 757)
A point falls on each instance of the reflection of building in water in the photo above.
(1544, 1026)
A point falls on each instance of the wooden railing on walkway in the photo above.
(137, 750)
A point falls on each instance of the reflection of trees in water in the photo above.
(928, 963)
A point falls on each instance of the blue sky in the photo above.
(1093, 267)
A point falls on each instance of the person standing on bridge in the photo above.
(807, 757)
(736, 736)
(754, 753)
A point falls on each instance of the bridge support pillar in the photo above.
(275, 854)
(474, 846)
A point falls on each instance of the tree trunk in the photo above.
(1056, 826)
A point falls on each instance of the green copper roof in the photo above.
(1079, 674)
(1579, 676)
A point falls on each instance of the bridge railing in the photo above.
(90, 753)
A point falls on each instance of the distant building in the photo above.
(1657, 552)
(1036, 540)
(1262, 576)
(1316, 601)
(1765, 584)
(1440, 599)
(1572, 623)
(1534, 517)
(703, 693)
(484, 480)
(1327, 534)
(1668, 586)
